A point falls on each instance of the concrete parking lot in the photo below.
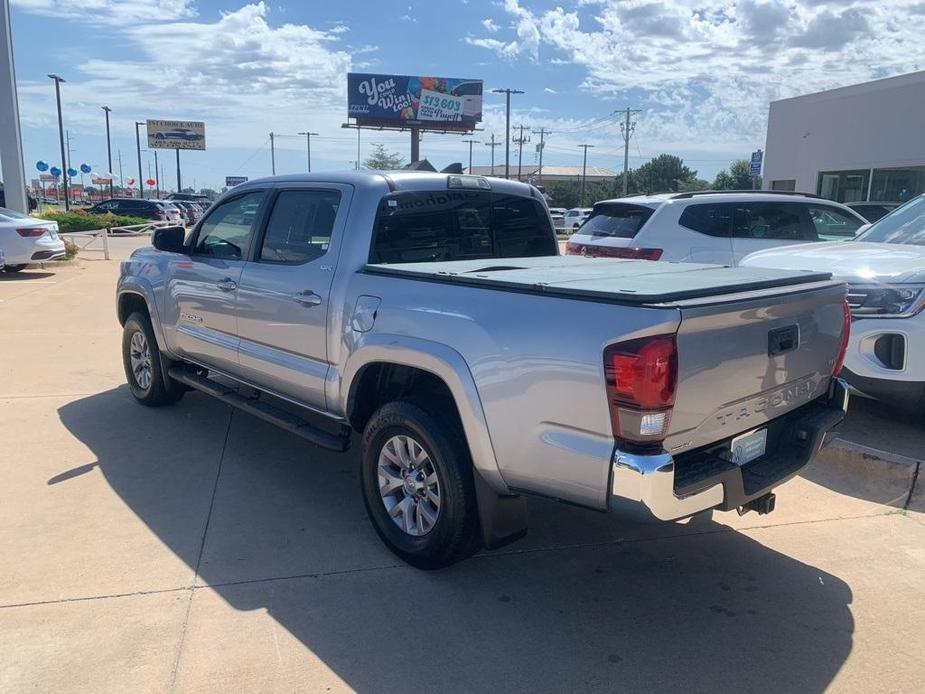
(196, 549)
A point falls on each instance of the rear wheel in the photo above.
(14, 268)
(141, 359)
(418, 487)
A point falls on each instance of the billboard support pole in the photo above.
(141, 176)
(415, 145)
(178, 169)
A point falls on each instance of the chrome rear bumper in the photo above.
(652, 486)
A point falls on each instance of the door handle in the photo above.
(227, 285)
(307, 298)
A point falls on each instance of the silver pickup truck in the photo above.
(433, 315)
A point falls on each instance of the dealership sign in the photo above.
(754, 167)
(439, 103)
(232, 181)
(176, 134)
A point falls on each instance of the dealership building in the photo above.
(863, 142)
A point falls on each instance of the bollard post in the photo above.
(106, 243)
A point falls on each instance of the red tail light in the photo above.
(845, 335)
(641, 377)
(572, 248)
(31, 232)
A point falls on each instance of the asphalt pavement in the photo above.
(196, 549)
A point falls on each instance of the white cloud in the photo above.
(239, 73)
(490, 25)
(549, 90)
(109, 11)
(706, 69)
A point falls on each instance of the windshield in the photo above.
(618, 220)
(906, 224)
(416, 227)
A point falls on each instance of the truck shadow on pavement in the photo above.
(585, 603)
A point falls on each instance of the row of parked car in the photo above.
(882, 262)
(175, 210)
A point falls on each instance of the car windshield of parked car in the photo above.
(618, 220)
(415, 227)
(12, 214)
(905, 224)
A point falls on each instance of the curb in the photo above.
(883, 476)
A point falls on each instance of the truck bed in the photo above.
(621, 281)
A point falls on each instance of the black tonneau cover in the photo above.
(621, 281)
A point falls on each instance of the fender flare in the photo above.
(448, 365)
(143, 288)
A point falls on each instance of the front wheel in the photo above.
(141, 359)
(418, 487)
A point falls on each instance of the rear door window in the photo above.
(415, 227)
(772, 221)
(618, 220)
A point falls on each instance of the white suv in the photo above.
(709, 227)
(575, 217)
(885, 271)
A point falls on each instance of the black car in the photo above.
(156, 210)
(871, 210)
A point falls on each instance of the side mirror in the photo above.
(170, 239)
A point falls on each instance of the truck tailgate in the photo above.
(746, 361)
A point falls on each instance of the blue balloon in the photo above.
(72, 172)
(55, 171)
(85, 168)
(41, 165)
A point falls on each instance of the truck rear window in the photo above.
(416, 227)
(616, 220)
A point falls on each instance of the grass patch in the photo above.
(78, 220)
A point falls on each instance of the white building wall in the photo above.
(878, 124)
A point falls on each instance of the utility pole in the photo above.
(507, 127)
(141, 176)
(351, 126)
(627, 129)
(542, 144)
(67, 137)
(121, 184)
(157, 178)
(58, 80)
(471, 142)
(272, 154)
(492, 144)
(308, 140)
(520, 150)
(584, 173)
(108, 148)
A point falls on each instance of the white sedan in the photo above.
(25, 239)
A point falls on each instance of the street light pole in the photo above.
(58, 80)
(308, 143)
(507, 127)
(141, 177)
(108, 148)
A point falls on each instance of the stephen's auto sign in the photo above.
(176, 134)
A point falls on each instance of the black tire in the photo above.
(455, 534)
(161, 390)
(14, 268)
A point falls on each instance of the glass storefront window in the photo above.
(897, 185)
(843, 186)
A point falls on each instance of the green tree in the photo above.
(665, 173)
(380, 160)
(737, 178)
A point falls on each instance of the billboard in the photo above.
(232, 181)
(404, 101)
(176, 134)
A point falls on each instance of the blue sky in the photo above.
(701, 71)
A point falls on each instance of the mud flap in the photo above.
(503, 518)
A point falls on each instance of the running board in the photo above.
(274, 415)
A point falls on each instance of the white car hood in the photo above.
(850, 261)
